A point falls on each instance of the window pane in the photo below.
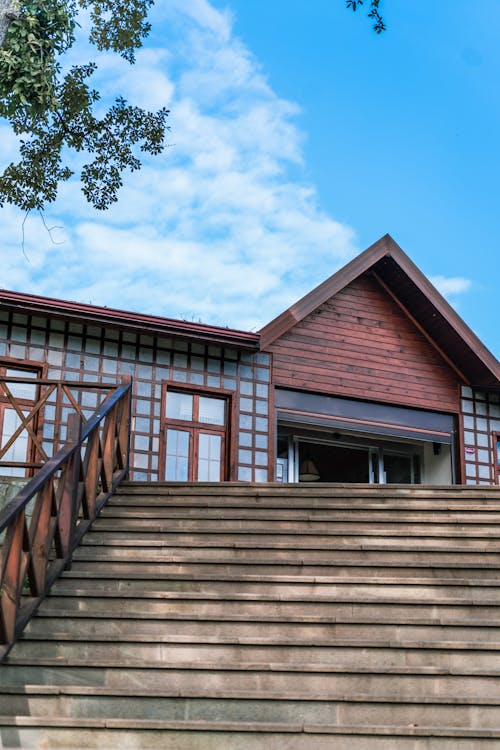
(212, 410)
(21, 390)
(180, 406)
(209, 458)
(397, 469)
(18, 451)
(176, 468)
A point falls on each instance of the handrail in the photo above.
(60, 396)
(68, 492)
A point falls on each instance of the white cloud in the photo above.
(218, 228)
(8, 146)
(451, 286)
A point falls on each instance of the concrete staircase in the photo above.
(235, 617)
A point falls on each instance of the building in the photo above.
(371, 377)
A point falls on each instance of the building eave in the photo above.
(139, 323)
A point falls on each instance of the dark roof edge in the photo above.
(136, 322)
(384, 247)
(445, 309)
(313, 299)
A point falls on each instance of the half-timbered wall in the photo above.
(481, 431)
(75, 351)
(335, 351)
(361, 344)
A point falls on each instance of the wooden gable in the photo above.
(360, 343)
(405, 284)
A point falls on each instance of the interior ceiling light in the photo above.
(308, 471)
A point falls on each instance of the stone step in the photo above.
(429, 592)
(283, 633)
(254, 540)
(311, 658)
(35, 732)
(310, 493)
(400, 682)
(297, 519)
(200, 606)
(153, 564)
(271, 554)
(97, 578)
(240, 616)
(301, 506)
(104, 533)
(310, 489)
(328, 507)
(367, 711)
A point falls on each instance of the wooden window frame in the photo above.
(9, 363)
(194, 427)
(496, 458)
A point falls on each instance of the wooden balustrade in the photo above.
(67, 493)
(61, 397)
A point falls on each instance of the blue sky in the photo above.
(298, 137)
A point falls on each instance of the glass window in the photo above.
(212, 410)
(180, 406)
(177, 463)
(22, 390)
(398, 469)
(261, 441)
(19, 448)
(209, 458)
(195, 449)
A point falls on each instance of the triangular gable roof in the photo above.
(421, 301)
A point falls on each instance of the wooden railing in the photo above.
(39, 427)
(64, 497)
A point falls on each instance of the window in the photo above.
(306, 457)
(16, 453)
(177, 455)
(194, 436)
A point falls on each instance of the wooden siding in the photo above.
(361, 344)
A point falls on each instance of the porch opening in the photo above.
(310, 455)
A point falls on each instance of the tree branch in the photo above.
(9, 11)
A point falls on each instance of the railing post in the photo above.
(66, 503)
(125, 422)
(68, 491)
(74, 428)
(13, 571)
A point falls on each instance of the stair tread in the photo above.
(166, 554)
(290, 643)
(483, 516)
(409, 593)
(270, 488)
(317, 585)
(250, 666)
(311, 542)
(281, 618)
(212, 631)
(347, 596)
(247, 694)
(240, 726)
(331, 594)
(358, 562)
(332, 509)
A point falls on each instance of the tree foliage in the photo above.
(373, 13)
(55, 113)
